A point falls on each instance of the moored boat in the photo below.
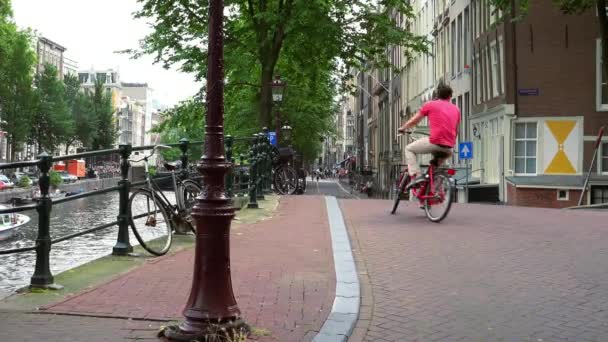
(10, 222)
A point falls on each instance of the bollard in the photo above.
(42, 277)
(229, 142)
(268, 166)
(123, 247)
(253, 198)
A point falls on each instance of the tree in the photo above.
(517, 10)
(319, 33)
(51, 122)
(103, 117)
(16, 77)
(82, 113)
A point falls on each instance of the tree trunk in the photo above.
(603, 23)
(266, 97)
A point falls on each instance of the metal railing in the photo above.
(251, 175)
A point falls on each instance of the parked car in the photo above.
(67, 178)
(3, 185)
(7, 182)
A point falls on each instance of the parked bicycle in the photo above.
(435, 193)
(153, 216)
(285, 177)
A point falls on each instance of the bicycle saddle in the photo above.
(172, 166)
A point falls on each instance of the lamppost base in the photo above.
(122, 249)
(233, 330)
(253, 206)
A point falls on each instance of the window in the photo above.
(464, 117)
(453, 48)
(501, 64)
(602, 87)
(604, 159)
(563, 195)
(459, 38)
(525, 148)
(599, 194)
(477, 71)
(487, 72)
(495, 70)
(465, 38)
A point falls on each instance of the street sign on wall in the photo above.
(465, 150)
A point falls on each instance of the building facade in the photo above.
(142, 93)
(532, 118)
(49, 52)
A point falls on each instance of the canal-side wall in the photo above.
(82, 185)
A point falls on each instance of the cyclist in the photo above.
(444, 118)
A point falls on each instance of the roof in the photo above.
(134, 85)
(52, 43)
(547, 181)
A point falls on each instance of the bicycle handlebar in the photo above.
(157, 147)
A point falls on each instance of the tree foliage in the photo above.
(103, 112)
(51, 122)
(311, 43)
(16, 77)
(83, 119)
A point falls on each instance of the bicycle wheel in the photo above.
(289, 180)
(189, 191)
(149, 221)
(438, 207)
(399, 189)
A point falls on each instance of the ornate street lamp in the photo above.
(211, 309)
(278, 89)
(287, 133)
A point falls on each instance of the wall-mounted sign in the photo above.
(529, 92)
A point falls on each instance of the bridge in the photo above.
(486, 273)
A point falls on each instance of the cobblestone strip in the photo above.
(345, 311)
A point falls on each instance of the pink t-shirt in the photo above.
(444, 118)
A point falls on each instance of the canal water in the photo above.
(66, 218)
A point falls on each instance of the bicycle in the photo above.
(153, 215)
(437, 188)
(285, 177)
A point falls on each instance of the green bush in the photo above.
(152, 171)
(25, 182)
(55, 179)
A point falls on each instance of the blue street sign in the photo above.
(465, 150)
(272, 136)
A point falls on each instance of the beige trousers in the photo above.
(421, 146)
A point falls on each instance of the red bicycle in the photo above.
(435, 193)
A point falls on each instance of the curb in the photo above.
(345, 311)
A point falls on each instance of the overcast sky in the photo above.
(92, 30)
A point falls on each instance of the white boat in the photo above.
(10, 222)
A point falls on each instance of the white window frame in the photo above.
(494, 69)
(525, 157)
(559, 198)
(601, 158)
(601, 107)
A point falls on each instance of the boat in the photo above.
(10, 222)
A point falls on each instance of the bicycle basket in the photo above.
(285, 154)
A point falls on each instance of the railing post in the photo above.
(123, 247)
(43, 278)
(261, 161)
(253, 162)
(229, 141)
(184, 145)
(268, 165)
(239, 175)
(265, 147)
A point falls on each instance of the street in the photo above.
(331, 187)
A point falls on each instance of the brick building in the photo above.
(534, 122)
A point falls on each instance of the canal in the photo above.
(66, 218)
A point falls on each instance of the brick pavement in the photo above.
(283, 279)
(487, 273)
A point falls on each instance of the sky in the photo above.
(92, 30)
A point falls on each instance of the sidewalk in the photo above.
(283, 278)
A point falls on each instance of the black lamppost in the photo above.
(278, 88)
(211, 309)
